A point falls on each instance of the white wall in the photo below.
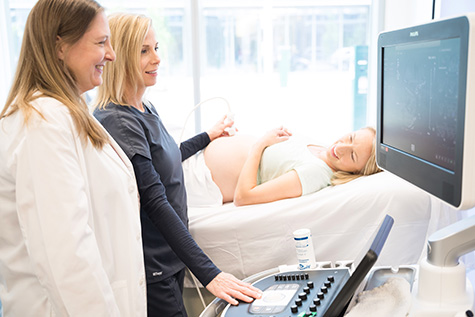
(403, 13)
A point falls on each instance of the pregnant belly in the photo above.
(225, 157)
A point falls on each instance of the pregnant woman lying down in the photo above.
(247, 170)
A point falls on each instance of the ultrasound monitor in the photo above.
(426, 107)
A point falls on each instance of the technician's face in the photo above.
(86, 58)
(351, 152)
(149, 59)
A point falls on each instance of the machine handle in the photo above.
(446, 246)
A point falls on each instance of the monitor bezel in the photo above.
(442, 183)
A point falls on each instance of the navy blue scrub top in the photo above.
(157, 164)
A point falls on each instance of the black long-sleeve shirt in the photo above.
(168, 245)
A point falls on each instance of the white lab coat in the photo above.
(70, 237)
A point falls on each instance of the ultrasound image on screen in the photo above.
(420, 97)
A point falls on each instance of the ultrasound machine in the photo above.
(425, 135)
(325, 291)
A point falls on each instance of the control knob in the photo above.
(294, 309)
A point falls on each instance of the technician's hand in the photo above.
(220, 128)
(229, 288)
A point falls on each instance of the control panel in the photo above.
(294, 294)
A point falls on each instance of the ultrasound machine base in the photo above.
(443, 288)
(441, 291)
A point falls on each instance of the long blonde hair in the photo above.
(40, 70)
(341, 177)
(128, 32)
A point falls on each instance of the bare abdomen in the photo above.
(225, 157)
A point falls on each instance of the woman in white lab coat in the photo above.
(70, 237)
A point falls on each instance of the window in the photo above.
(291, 63)
(285, 64)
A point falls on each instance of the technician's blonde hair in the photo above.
(341, 177)
(41, 73)
(128, 32)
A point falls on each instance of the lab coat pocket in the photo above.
(121, 295)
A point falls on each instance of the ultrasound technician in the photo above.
(137, 127)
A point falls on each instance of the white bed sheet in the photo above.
(250, 239)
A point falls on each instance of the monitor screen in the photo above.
(421, 86)
(423, 106)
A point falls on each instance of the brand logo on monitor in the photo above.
(413, 34)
